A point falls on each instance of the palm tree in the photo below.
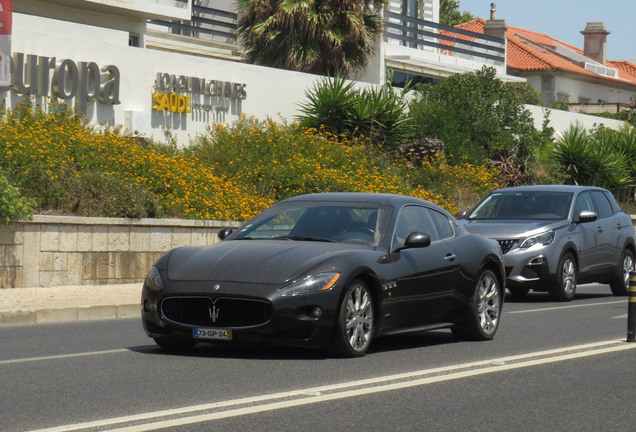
(326, 37)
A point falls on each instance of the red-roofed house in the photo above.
(583, 78)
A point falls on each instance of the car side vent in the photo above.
(506, 245)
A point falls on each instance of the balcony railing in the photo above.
(206, 23)
(421, 34)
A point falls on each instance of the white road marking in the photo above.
(63, 356)
(567, 307)
(624, 316)
(275, 401)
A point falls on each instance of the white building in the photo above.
(174, 65)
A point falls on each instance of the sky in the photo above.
(564, 20)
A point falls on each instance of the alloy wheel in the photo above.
(568, 275)
(359, 318)
(488, 304)
(628, 266)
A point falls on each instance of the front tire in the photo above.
(355, 321)
(620, 285)
(564, 287)
(485, 310)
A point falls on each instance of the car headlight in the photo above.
(314, 283)
(544, 239)
(153, 280)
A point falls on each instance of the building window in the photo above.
(133, 40)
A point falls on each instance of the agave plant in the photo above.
(600, 159)
(329, 104)
(377, 113)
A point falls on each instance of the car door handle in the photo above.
(599, 229)
(450, 257)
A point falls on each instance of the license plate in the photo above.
(212, 334)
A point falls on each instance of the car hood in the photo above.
(252, 261)
(503, 229)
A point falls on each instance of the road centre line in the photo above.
(270, 402)
(63, 356)
(567, 307)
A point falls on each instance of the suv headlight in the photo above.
(313, 283)
(153, 280)
(543, 239)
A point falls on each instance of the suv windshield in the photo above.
(318, 221)
(538, 205)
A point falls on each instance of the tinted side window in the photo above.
(583, 202)
(602, 204)
(414, 218)
(615, 207)
(443, 224)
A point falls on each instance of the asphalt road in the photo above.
(552, 367)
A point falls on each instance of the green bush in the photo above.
(477, 117)
(13, 206)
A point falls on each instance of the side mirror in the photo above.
(225, 232)
(587, 216)
(417, 240)
(461, 214)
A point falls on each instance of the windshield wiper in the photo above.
(303, 238)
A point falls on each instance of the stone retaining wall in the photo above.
(66, 250)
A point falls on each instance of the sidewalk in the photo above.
(69, 303)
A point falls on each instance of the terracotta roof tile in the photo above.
(532, 51)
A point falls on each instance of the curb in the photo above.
(71, 314)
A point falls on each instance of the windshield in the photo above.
(540, 205)
(318, 221)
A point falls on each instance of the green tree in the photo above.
(325, 37)
(477, 117)
(450, 16)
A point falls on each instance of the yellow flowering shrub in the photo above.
(283, 160)
(230, 173)
(41, 149)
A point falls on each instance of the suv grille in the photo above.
(506, 245)
(223, 312)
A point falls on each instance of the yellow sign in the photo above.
(172, 102)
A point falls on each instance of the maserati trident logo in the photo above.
(214, 313)
(216, 287)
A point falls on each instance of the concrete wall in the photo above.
(61, 250)
(270, 92)
(561, 120)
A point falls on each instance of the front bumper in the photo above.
(254, 313)
(533, 268)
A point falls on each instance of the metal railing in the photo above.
(417, 33)
(205, 23)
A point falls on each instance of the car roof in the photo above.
(549, 188)
(394, 200)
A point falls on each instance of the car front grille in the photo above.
(222, 312)
(506, 245)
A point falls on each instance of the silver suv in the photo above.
(554, 237)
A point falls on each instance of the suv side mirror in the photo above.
(587, 216)
(461, 214)
(225, 232)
